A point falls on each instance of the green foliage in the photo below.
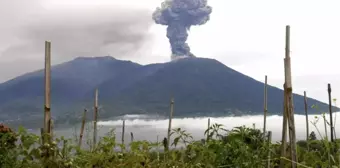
(240, 147)
(7, 144)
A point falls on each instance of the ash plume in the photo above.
(179, 16)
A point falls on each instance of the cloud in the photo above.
(115, 30)
(196, 126)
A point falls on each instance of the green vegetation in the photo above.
(240, 147)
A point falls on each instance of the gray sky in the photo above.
(246, 35)
(74, 29)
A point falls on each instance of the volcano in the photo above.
(200, 87)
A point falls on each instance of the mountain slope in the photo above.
(199, 86)
(70, 81)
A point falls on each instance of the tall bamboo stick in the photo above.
(170, 120)
(289, 103)
(307, 123)
(284, 129)
(265, 107)
(47, 104)
(330, 111)
(123, 132)
(95, 117)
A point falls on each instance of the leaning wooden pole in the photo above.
(289, 103)
(95, 118)
(172, 102)
(82, 128)
(330, 111)
(47, 103)
(265, 107)
(307, 122)
(284, 129)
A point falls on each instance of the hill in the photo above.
(200, 87)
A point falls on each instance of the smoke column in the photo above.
(179, 16)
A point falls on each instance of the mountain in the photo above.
(200, 87)
(70, 81)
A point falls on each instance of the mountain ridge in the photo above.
(200, 86)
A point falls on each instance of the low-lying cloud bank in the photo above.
(144, 129)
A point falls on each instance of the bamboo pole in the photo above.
(289, 103)
(42, 135)
(269, 136)
(95, 117)
(307, 123)
(82, 128)
(208, 129)
(51, 128)
(170, 120)
(284, 129)
(123, 132)
(157, 147)
(326, 135)
(47, 103)
(265, 107)
(330, 111)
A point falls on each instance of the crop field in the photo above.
(239, 147)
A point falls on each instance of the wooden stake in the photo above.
(95, 117)
(42, 135)
(289, 103)
(123, 132)
(131, 136)
(157, 147)
(52, 128)
(330, 111)
(172, 102)
(307, 122)
(208, 129)
(47, 106)
(82, 128)
(265, 107)
(284, 129)
(269, 151)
